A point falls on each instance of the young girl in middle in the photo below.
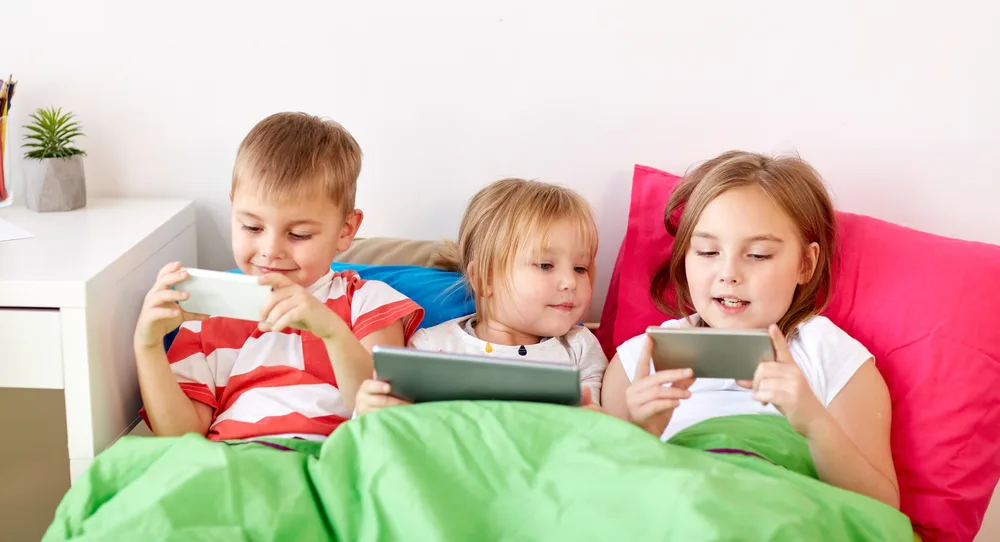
(527, 251)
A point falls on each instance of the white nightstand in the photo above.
(69, 299)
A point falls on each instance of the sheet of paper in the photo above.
(10, 232)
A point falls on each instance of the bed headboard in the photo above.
(391, 251)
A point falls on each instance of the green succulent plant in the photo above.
(51, 134)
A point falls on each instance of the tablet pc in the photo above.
(420, 376)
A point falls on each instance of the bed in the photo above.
(389, 461)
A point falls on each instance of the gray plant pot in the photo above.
(54, 184)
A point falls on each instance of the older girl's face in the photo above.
(745, 261)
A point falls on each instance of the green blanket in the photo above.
(474, 471)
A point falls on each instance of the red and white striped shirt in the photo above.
(280, 383)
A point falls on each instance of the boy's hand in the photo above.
(650, 403)
(160, 313)
(292, 306)
(781, 382)
(373, 395)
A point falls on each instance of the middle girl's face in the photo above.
(550, 290)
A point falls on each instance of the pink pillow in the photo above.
(924, 305)
(645, 246)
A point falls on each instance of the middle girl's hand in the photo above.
(781, 382)
(650, 401)
(374, 395)
(587, 399)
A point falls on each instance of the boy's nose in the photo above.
(270, 247)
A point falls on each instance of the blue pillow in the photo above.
(439, 292)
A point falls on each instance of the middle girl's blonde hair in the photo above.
(507, 221)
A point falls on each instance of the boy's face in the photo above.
(299, 238)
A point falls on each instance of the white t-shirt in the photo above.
(827, 356)
(579, 346)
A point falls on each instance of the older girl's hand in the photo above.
(652, 398)
(781, 383)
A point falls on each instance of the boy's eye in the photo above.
(544, 266)
(251, 229)
(300, 236)
(580, 270)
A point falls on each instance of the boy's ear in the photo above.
(810, 259)
(350, 228)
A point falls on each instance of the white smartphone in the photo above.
(217, 293)
(711, 353)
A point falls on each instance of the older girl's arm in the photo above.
(850, 445)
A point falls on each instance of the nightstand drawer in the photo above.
(30, 349)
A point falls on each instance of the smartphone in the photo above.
(217, 293)
(711, 353)
(421, 376)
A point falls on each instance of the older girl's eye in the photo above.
(760, 257)
(707, 253)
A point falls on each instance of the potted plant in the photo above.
(53, 168)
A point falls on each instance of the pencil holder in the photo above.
(6, 198)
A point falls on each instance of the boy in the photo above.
(296, 373)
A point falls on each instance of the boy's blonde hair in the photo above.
(792, 184)
(296, 155)
(506, 220)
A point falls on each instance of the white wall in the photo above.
(896, 102)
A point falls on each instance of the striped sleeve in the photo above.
(190, 365)
(375, 305)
